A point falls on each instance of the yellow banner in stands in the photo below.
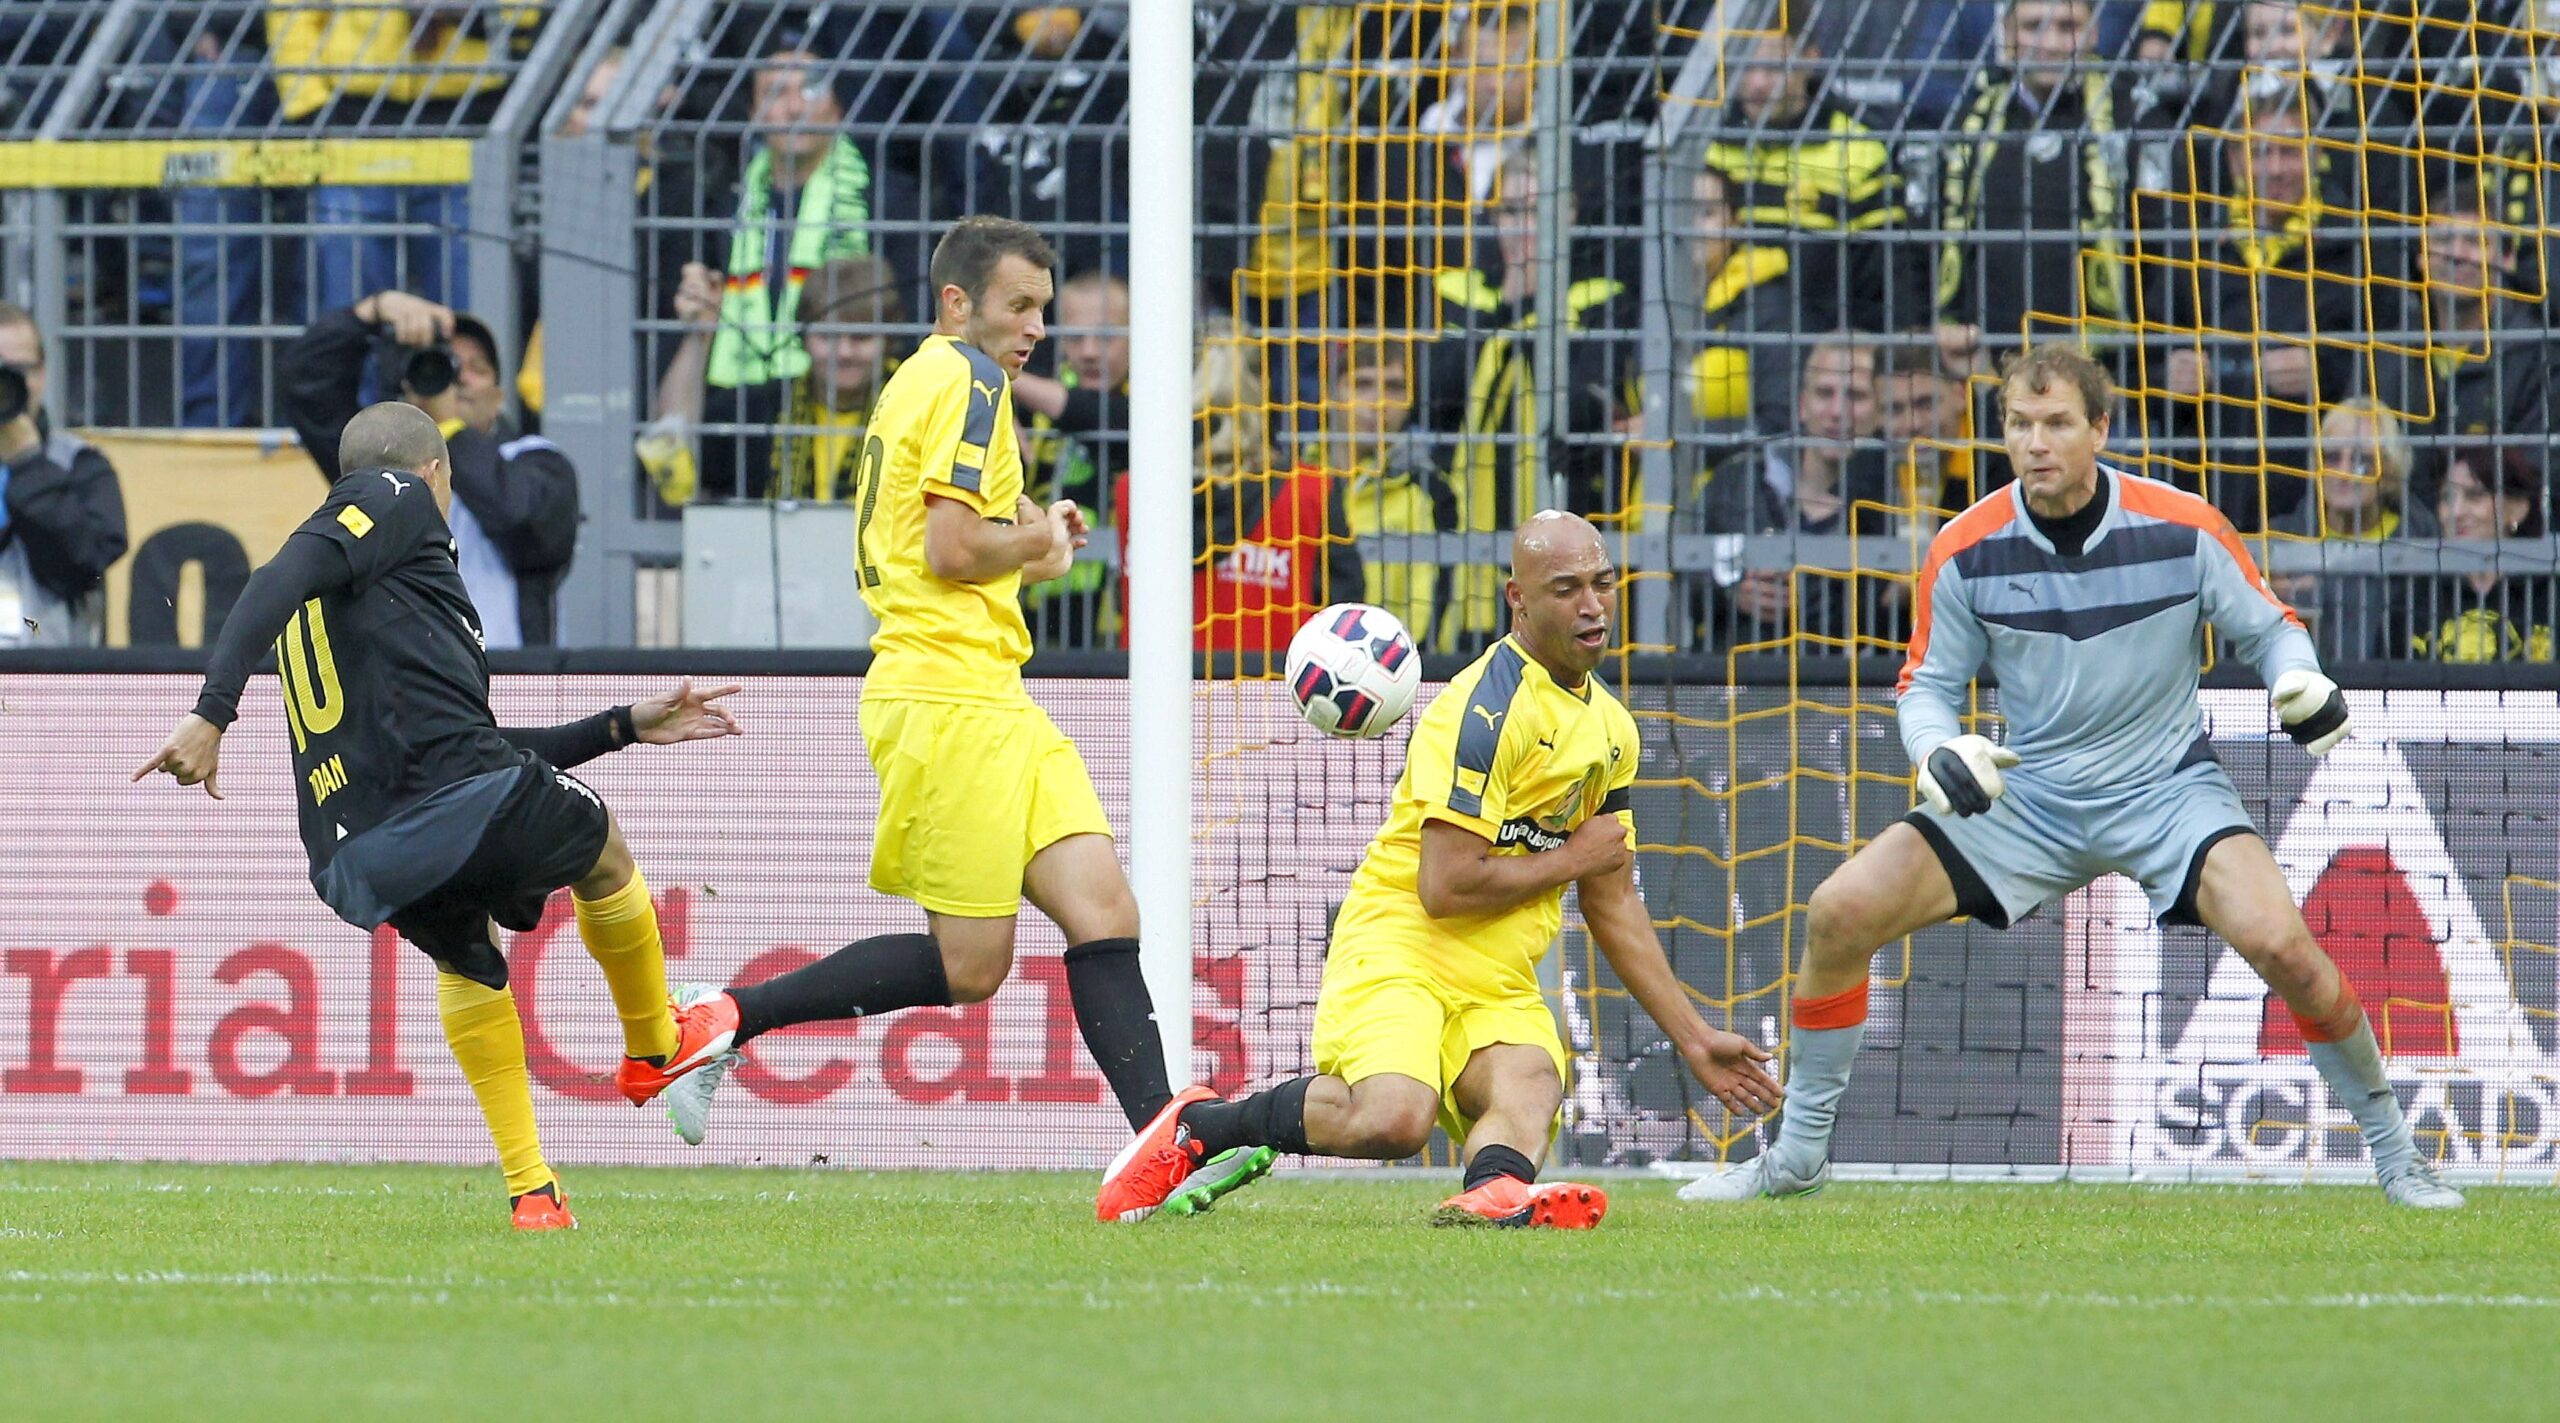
(234, 163)
(202, 508)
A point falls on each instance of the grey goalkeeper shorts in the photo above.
(2039, 842)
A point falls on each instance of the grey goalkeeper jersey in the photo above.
(2096, 655)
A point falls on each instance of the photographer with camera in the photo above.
(61, 508)
(515, 497)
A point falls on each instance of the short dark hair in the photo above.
(2461, 194)
(1915, 353)
(2037, 368)
(967, 255)
(852, 291)
(1096, 282)
(392, 434)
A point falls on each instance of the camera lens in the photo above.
(13, 393)
(430, 372)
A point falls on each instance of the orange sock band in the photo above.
(1844, 1009)
(2342, 1021)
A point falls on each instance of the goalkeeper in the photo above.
(2086, 592)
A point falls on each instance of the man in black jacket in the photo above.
(61, 513)
(2036, 185)
(515, 518)
(2470, 361)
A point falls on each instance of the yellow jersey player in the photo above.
(983, 802)
(1515, 785)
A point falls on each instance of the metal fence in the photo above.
(1731, 275)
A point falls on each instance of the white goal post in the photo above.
(1157, 546)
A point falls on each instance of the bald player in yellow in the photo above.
(983, 802)
(1515, 785)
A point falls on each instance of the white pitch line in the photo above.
(31, 1286)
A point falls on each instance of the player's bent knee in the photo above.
(2283, 954)
(1388, 1125)
(977, 955)
(1841, 918)
(1540, 1095)
(612, 870)
(1399, 1137)
(976, 977)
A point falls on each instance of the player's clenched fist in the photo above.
(1067, 533)
(1963, 776)
(698, 295)
(1598, 846)
(192, 753)
(2312, 709)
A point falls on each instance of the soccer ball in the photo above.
(1353, 670)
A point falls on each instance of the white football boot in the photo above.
(1760, 1176)
(688, 1098)
(2417, 1186)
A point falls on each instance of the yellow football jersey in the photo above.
(1508, 754)
(943, 426)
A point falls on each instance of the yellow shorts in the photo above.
(967, 796)
(1377, 1014)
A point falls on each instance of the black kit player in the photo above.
(420, 811)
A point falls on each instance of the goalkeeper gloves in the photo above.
(1962, 777)
(2313, 710)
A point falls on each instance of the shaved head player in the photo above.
(419, 810)
(1515, 785)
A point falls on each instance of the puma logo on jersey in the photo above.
(398, 485)
(2020, 585)
(982, 388)
(1548, 741)
(1490, 719)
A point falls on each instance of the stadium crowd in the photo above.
(2314, 254)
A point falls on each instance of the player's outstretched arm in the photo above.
(1462, 877)
(1728, 1065)
(306, 567)
(685, 714)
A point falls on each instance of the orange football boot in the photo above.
(544, 1208)
(1159, 1158)
(703, 1032)
(1510, 1202)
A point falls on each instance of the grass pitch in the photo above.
(164, 1293)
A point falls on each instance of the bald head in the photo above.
(391, 435)
(1551, 538)
(1563, 593)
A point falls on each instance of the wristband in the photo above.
(625, 730)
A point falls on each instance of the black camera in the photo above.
(425, 371)
(13, 392)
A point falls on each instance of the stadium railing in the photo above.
(964, 108)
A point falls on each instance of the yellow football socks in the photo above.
(487, 1038)
(621, 931)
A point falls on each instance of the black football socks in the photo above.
(1496, 1161)
(1118, 1019)
(877, 975)
(1275, 1117)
